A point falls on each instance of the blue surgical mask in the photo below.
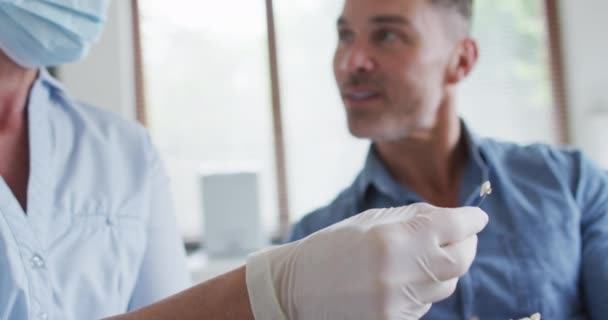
(40, 33)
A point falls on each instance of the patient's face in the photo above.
(390, 65)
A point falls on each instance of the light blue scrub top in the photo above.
(99, 236)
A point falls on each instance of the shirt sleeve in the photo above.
(297, 232)
(592, 195)
(163, 270)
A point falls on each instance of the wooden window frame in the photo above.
(558, 80)
(140, 92)
(279, 136)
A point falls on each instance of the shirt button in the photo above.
(110, 220)
(37, 262)
(43, 316)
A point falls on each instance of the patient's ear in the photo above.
(462, 61)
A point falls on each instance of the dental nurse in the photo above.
(86, 224)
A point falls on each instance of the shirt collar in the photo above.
(375, 173)
(48, 80)
(477, 156)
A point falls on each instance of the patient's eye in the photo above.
(345, 35)
(388, 36)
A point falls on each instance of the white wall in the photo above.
(585, 47)
(106, 77)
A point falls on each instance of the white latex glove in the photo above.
(535, 316)
(381, 264)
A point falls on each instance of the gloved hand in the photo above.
(380, 264)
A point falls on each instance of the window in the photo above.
(508, 95)
(322, 157)
(209, 93)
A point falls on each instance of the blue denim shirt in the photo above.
(545, 248)
(99, 235)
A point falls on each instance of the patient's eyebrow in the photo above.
(392, 19)
(380, 19)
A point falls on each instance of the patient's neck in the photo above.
(15, 83)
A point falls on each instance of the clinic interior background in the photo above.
(237, 86)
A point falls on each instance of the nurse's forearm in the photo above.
(222, 298)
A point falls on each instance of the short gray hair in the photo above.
(464, 7)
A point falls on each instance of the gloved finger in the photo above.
(392, 215)
(429, 292)
(453, 260)
(458, 224)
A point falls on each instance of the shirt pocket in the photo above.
(109, 227)
(546, 263)
(119, 236)
(98, 260)
(503, 277)
(528, 271)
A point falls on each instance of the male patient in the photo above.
(398, 65)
